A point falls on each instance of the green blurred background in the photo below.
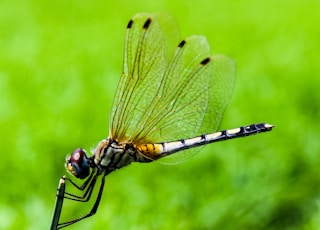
(60, 62)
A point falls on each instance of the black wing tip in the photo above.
(130, 24)
(205, 61)
(182, 43)
(147, 23)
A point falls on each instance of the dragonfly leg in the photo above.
(87, 187)
(85, 184)
(93, 209)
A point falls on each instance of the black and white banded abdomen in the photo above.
(159, 150)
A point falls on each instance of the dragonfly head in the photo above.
(77, 164)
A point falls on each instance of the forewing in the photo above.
(145, 61)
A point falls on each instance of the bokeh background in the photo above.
(60, 62)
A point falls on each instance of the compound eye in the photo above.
(77, 164)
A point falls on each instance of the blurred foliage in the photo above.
(60, 62)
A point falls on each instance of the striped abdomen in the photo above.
(159, 150)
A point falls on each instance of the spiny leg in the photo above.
(88, 187)
(93, 209)
(85, 184)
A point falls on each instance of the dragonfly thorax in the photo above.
(111, 155)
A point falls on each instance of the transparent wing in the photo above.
(222, 81)
(220, 88)
(145, 60)
(167, 92)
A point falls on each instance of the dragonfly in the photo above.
(169, 102)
